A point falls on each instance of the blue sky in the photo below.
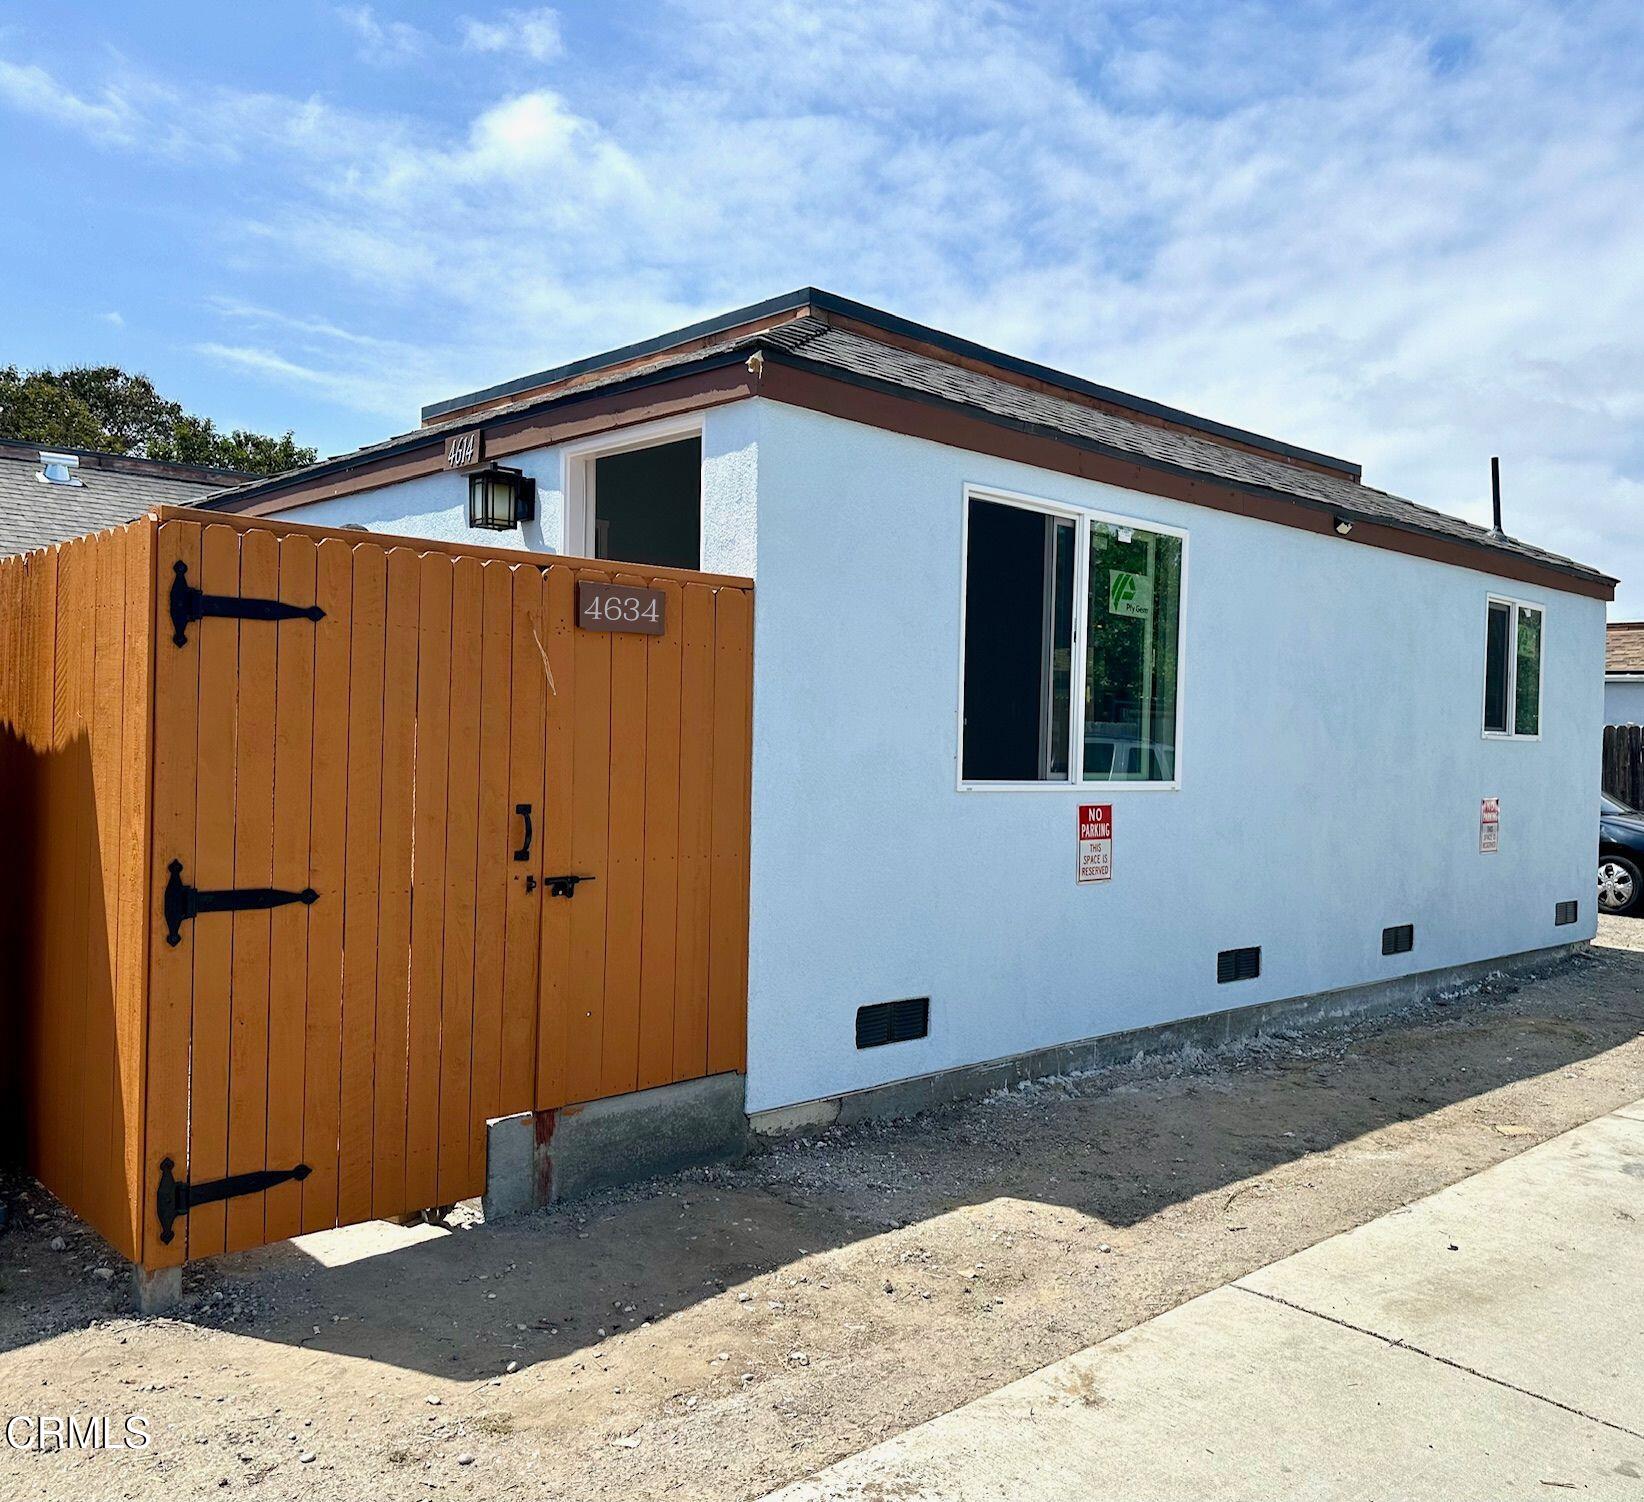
(1409, 234)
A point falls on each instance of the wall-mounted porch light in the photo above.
(500, 499)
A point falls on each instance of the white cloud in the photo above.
(113, 318)
(31, 90)
(384, 43)
(532, 34)
(1412, 243)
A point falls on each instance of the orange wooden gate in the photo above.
(353, 958)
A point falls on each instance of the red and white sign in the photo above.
(1489, 826)
(1095, 842)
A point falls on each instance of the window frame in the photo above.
(1512, 733)
(1083, 518)
(578, 460)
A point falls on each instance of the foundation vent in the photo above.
(1399, 939)
(892, 1022)
(1564, 913)
(1238, 964)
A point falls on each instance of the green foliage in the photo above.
(104, 407)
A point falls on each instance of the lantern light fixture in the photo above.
(500, 499)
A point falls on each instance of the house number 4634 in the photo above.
(621, 607)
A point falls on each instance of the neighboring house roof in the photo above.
(875, 352)
(1624, 648)
(112, 489)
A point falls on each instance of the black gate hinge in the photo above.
(191, 604)
(182, 902)
(176, 1197)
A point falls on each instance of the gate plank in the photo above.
(135, 864)
(171, 970)
(219, 645)
(516, 1087)
(696, 738)
(461, 1146)
(399, 749)
(591, 760)
(625, 859)
(422, 1096)
(253, 867)
(364, 830)
(105, 1117)
(289, 926)
(328, 816)
(553, 969)
(728, 936)
(497, 825)
(661, 895)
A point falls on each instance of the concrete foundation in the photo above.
(158, 1290)
(1212, 1030)
(541, 1158)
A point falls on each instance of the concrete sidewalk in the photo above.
(1487, 1342)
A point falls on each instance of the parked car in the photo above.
(1620, 856)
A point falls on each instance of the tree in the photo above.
(104, 407)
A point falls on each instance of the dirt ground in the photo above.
(717, 1335)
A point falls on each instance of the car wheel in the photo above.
(1619, 884)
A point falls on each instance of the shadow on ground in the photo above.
(1118, 1148)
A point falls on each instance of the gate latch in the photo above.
(176, 1197)
(564, 886)
(182, 902)
(191, 604)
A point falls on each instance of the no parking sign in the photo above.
(1095, 842)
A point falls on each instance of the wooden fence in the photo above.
(75, 677)
(1624, 763)
(292, 932)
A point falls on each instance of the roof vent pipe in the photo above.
(1495, 496)
(58, 469)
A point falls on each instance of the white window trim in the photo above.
(1510, 734)
(1082, 517)
(577, 461)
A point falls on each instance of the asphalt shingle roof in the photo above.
(816, 343)
(34, 514)
(813, 341)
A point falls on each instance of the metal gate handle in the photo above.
(524, 851)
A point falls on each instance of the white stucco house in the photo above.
(1624, 673)
(1074, 714)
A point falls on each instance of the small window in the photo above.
(892, 1022)
(647, 505)
(1512, 669)
(1072, 627)
(1565, 912)
(1399, 939)
(1238, 964)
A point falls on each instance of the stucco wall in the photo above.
(1332, 767)
(437, 505)
(1624, 703)
(1332, 764)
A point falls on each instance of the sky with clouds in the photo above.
(1409, 234)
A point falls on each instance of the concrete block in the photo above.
(156, 1290)
(542, 1158)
